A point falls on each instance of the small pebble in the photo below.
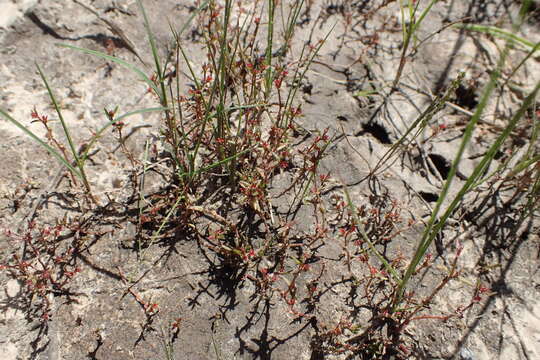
(466, 354)
(13, 288)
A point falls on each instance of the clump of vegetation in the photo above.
(234, 152)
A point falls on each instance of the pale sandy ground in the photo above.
(506, 327)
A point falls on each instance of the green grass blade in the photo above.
(424, 14)
(435, 223)
(74, 151)
(62, 121)
(118, 61)
(366, 93)
(479, 169)
(110, 123)
(360, 226)
(269, 44)
(500, 33)
(163, 223)
(524, 165)
(529, 55)
(162, 94)
(216, 164)
(299, 76)
(201, 7)
(46, 146)
(420, 123)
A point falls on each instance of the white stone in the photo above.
(8, 351)
(13, 288)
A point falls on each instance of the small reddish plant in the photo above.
(46, 266)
